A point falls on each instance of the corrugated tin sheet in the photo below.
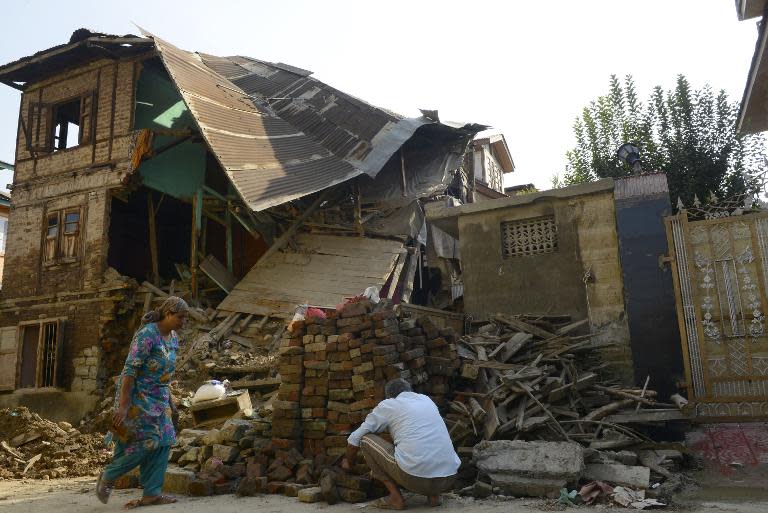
(280, 134)
(326, 269)
(267, 161)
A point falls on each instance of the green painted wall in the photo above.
(180, 171)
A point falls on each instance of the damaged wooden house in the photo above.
(237, 183)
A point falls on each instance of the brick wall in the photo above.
(76, 177)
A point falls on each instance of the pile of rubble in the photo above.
(34, 447)
(332, 373)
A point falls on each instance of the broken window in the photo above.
(529, 236)
(62, 236)
(60, 126)
(66, 125)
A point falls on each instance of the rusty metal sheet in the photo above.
(267, 162)
(279, 134)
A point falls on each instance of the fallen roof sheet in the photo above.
(325, 270)
(280, 134)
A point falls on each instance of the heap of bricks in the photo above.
(333, 372)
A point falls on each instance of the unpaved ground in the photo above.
(76, 496)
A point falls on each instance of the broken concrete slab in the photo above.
(631, 476)
(535, 469)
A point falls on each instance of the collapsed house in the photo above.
(138, 162)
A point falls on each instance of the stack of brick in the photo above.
(286, 410)
(442, 361)
(314, 397)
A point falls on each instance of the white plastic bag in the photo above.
(209, 391)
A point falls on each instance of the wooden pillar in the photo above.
(228, 221)
(153, 239)
(197, 217)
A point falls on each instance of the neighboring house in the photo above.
(487, 163)
(517, 190)
(5, 208)
(135, 159)
(753, 116)
(589, 251)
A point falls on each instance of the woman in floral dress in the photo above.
(142, 427)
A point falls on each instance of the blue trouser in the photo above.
(152, 463)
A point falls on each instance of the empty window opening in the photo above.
(66, 125)
(529, 237)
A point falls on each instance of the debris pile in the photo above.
(533, 381)
(332, 373)
(34, 447)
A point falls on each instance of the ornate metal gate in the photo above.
(721, 272)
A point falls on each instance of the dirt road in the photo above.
(76, 496)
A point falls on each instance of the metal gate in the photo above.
(721, 272)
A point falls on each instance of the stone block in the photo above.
(312, 494)
(250, 486)
(350, 495)
(200, 488)
(233, 430)
(225, 453)
(177, 480)
(532, 469)
(211, 437)
(190, 456)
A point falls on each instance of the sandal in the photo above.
(383, 503)
(103, 489)
(156, 501)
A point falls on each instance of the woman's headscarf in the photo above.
(171, 305)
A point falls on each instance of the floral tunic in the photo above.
(151, 361)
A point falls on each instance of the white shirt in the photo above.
(423, 447)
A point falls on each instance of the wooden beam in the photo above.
(230, 251)
(285, 237)
(197, 213)
(403, 182)
(153, 238)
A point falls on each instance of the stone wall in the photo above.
(86, 367)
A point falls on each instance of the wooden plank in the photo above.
(524, 326)
(153, 239)
(256, 383)
(646, 416)
(216, 271)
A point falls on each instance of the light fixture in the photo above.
(630, 154)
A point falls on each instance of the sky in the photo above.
(526, 68)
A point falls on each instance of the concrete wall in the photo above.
(82, 177)
(551, 283)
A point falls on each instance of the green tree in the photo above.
(689, 134)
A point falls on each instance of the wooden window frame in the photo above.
(56, 377)
(40, 126)
(58, 252)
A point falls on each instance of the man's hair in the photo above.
(393, 388)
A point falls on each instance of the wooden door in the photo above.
(29, 354)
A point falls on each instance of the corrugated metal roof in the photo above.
(326, 269)
(268, 161)
(280, 134)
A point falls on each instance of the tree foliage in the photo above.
(689, 134)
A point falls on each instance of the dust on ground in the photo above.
(77, 496)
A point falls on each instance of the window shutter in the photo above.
(70, 234)
(9, 349)
(40, 127)
(88, 104)
(52, 228)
